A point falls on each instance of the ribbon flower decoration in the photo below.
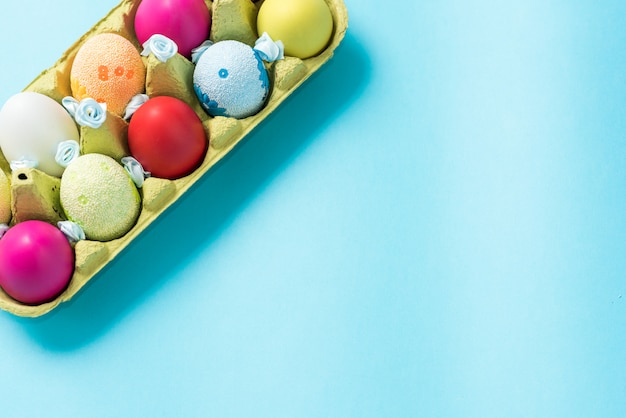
(87, 112)
(162, 47)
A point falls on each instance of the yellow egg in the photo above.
(304, 26)
(109, 69)
(98, 194)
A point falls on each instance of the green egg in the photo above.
(98, 194)
(5, 198)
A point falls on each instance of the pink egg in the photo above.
(186, 22)
(36, 262)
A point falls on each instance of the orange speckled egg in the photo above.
(109, 69)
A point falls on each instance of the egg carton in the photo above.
(35, 194)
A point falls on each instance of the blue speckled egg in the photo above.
(231, 80)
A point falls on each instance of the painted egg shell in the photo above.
(231, 80)
(31, 127)
(36, 262)
(167, 137)
(98, 194)
(304, 26)
(109, 69)
(186, 22)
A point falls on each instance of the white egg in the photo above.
(31, 127)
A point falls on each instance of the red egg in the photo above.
(36, 262)
(167, 137)
(186, 22)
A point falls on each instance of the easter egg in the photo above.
(97, 193)
(36, 262)
(186, 22)
(5, 198)
(304, 26)
(230, 79)
(109, 69)
(31, 127)
(167, 137)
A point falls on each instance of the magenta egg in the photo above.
(36, 262)
(186, 22)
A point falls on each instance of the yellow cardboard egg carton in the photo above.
(35, 195)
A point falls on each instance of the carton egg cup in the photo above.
(35, 195)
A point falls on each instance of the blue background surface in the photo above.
(432, 226)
